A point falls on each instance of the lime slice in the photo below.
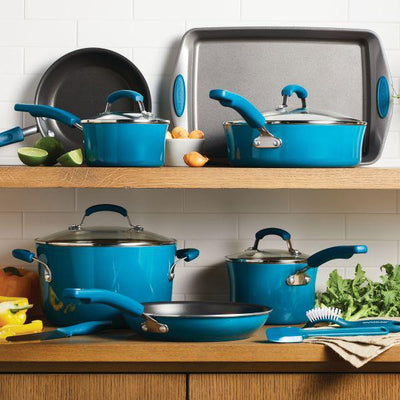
(53, 146)
(73, 158)
(32, 156)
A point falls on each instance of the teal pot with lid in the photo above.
(127, 260)
(283, 280)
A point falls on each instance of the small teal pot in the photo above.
(114, 139)
(282, 280)
(290, 137)
(130, 261)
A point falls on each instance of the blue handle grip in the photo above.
(122, 303)
(24, 255)
(249, 112)
(333, 253)
(299, 90)
(38, 110)
(273, 231)
(106, 207)
(85, 328)
(187, 254)
(13, 135)
(362, 331)
(114, 96)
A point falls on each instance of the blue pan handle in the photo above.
(130, 94)
(333, 253)
(38, 110)
(116, 300)
(272, 231)
(85, 328)
(187, 254)
(13, 135)
(232, 100)
(24, 255)
(106, 207)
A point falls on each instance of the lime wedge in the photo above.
(73, 158)
(32, 156)
(53, 146)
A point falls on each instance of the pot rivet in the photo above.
(257, 142)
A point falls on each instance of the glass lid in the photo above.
(132, 235)
(301, 115)
(270, 256)
(109, 117)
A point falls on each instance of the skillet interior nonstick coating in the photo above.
(80, 81)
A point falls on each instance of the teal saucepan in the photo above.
(114, 139)
(281, 279)
(289, 137)
(183, 321)
(124, 259)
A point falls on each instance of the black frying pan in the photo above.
(80, 82)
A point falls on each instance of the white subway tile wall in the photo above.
(34, 33)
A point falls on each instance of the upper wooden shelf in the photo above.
(208, 178)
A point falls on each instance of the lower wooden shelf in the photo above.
(207, 178)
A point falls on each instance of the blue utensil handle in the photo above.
(122, 303)
(247, 110)
(85, 328)
(336, 332)
(187, 254)
(39, 110)
(333, 253)
(106, 207)
(24, 255)
(13, 135)
(130, 94)
(299, 90)
(270, 231)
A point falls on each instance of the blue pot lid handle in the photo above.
(42, 111)
(301, 278)
(123, 303)
(129, 94)
(275, 231)
(288, 90)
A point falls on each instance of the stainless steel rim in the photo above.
(125, 121)
(264, 310)
(302, 122)
(104, 244)
(265, 261)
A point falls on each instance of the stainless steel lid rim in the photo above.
(124, 121)
(269, 261)
(297, 122)
(105, 244)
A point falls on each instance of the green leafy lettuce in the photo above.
(360, 297)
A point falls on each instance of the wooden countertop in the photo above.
(124, 351)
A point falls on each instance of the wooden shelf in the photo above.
(124, 351)
(208, 178)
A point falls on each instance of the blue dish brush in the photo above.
(332, 315)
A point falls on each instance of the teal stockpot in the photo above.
(288, 137)
(183, 321)
(280, 279)
(114, 139)
(127, 260)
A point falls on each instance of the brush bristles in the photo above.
(318, 314)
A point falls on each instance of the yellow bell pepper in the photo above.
(13, 330)
(13, 310)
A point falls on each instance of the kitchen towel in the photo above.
(358, 350)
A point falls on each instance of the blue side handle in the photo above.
(187, 254)
(106, 207)
(333, 253)
(179, 95)
(270, 231)
(299, 90)
(362, 331)
(130, 94)
(85, 328)
(232, 100)
(116, 300)
(39, 110)
(383, 97)
(24, 255)
(13, 135)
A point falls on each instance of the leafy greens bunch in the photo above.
(360, 297)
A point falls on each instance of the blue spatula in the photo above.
(291, 334)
